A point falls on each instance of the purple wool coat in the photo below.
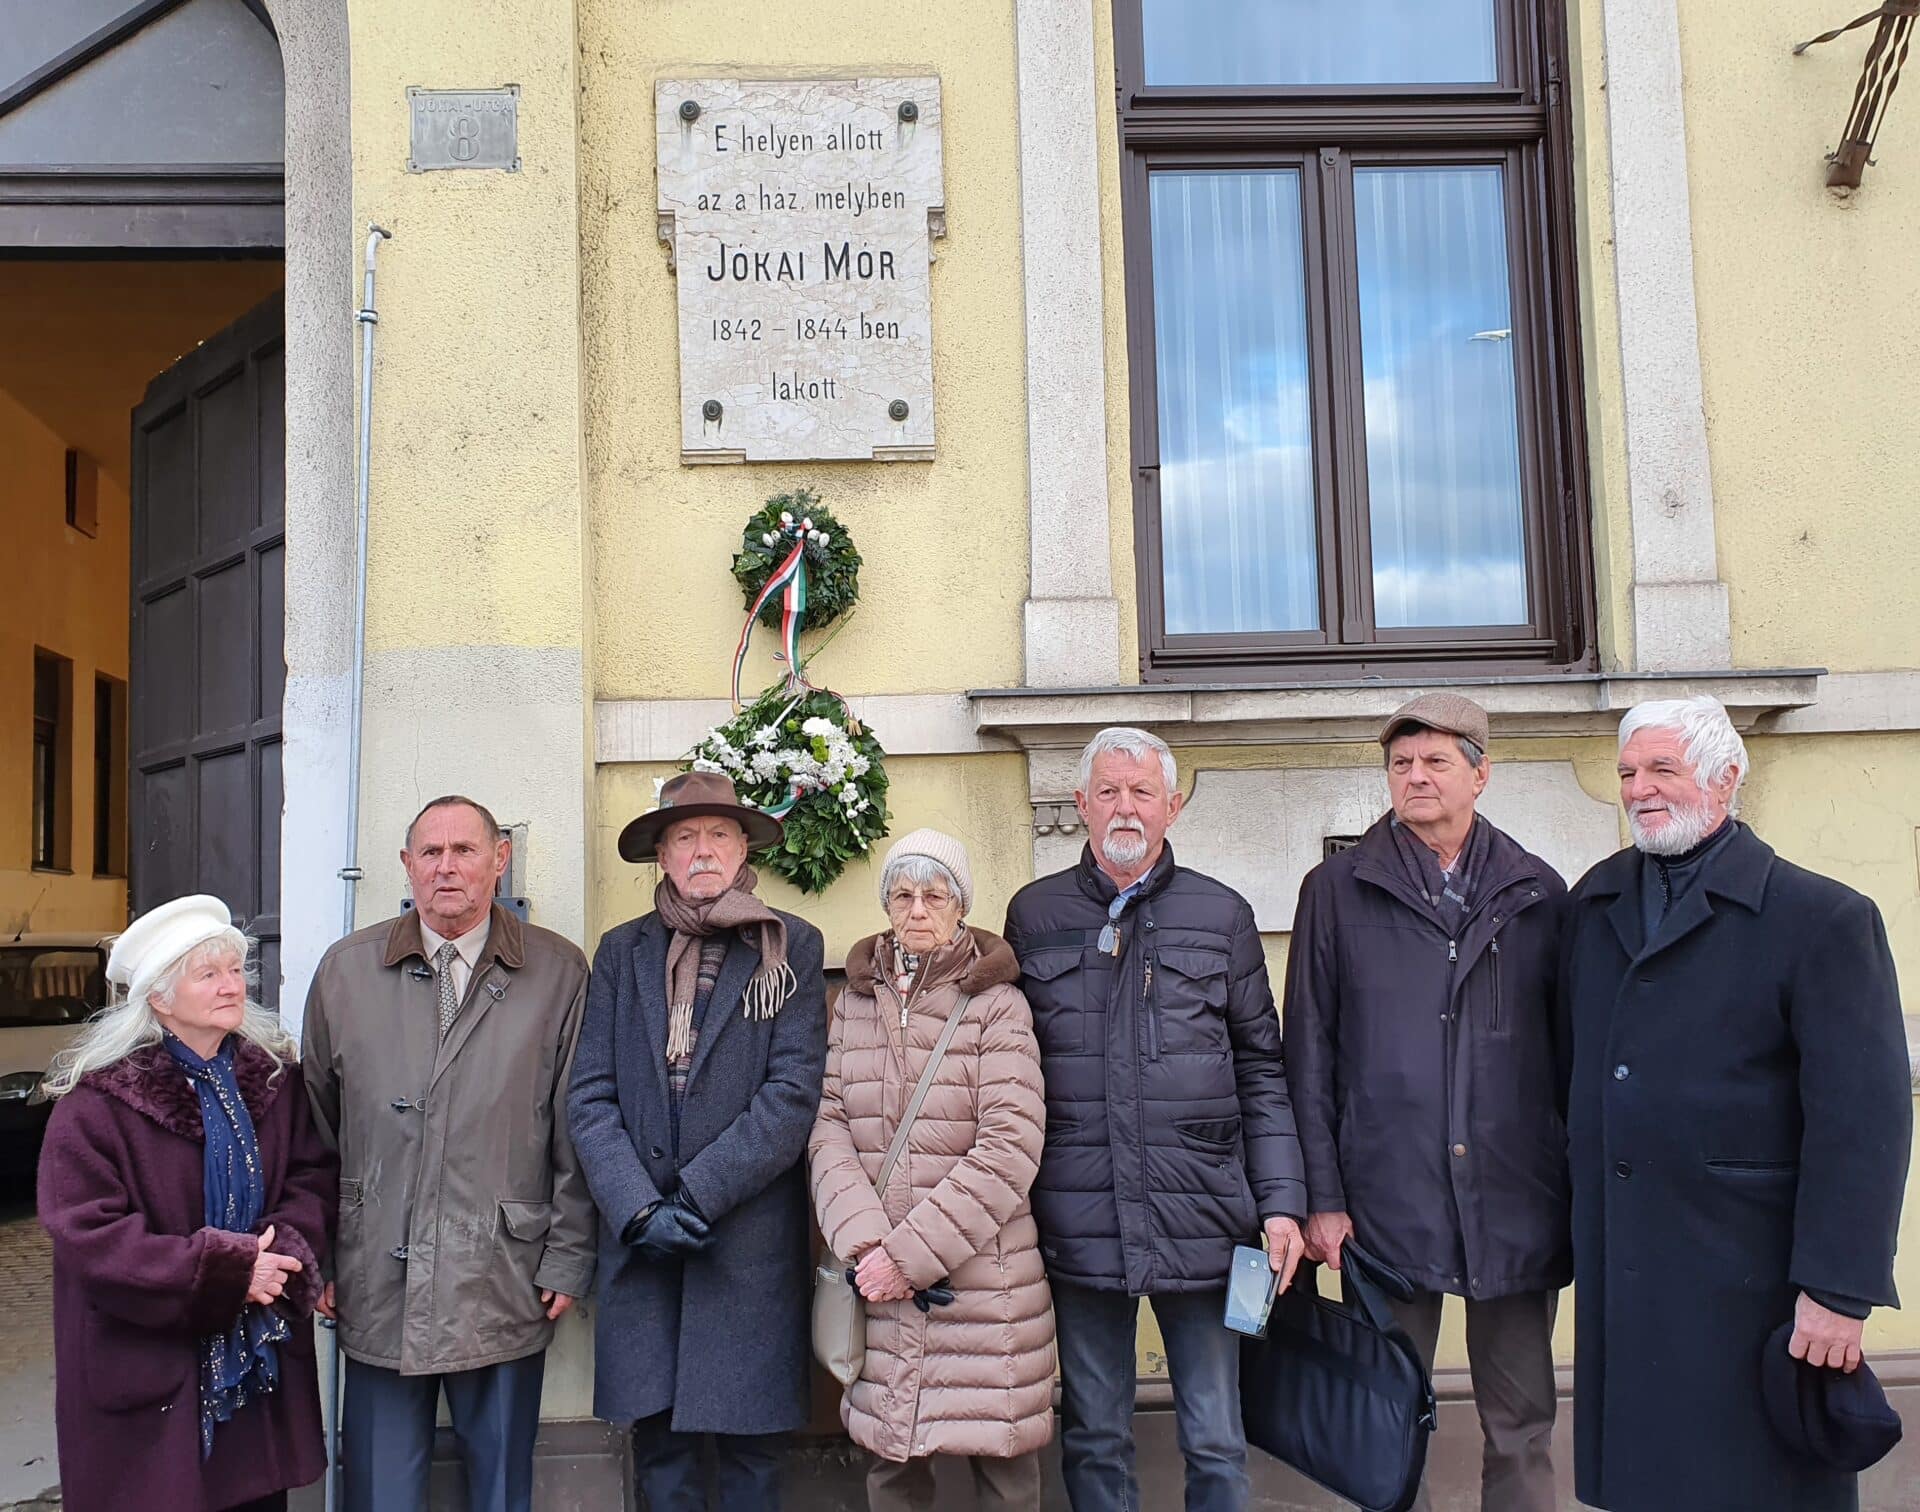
(138, 1279)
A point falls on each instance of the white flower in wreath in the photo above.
(766, 765)
(703, 764)
(824, 728)
(766, 737)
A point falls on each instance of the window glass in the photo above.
(1236, 431)
(1324, 42)
(45, 987)
(1443, 442)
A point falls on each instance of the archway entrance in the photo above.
(142, 424)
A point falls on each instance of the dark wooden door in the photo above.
(209, 512)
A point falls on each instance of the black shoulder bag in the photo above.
(1338, 1392)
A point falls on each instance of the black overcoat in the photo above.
(1738, 1127)
(722, 1339)
(1424, 1070)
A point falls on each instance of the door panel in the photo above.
(208, 599)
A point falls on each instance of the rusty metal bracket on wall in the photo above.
(1879, 77)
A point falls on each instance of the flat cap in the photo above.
(1446, 712)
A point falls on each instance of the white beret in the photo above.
(161, 936)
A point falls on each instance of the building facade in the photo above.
(1282, 365)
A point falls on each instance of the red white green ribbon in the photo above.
(790, 580)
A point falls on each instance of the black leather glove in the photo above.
(670, 1230)
(940, 1294)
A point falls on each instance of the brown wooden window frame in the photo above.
(1324, 132)
(51, 826)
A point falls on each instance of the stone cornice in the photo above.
(1333, 712)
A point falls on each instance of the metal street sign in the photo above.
(464, 128)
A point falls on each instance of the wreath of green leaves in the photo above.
(830, 826)
(833, 569)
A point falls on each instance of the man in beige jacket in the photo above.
(437, 1051)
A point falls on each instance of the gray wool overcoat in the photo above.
(722, 1338)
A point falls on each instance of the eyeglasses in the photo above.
(901, 900)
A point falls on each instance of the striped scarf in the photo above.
(694, 919)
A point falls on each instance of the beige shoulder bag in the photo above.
(839, 1311)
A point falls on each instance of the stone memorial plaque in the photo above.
(464, 128)
(799, 214)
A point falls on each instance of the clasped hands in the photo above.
(270, 1271)
(671, 1229)
(878, 1279)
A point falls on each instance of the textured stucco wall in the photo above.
(476, 624)
(1809, 338)
(945, 542)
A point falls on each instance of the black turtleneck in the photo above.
(1663, 879)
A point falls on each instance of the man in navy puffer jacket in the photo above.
(1170, 1136)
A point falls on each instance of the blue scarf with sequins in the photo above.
(244, 1361)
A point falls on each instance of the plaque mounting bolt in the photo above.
(712, 409)
(909, 112)
(689, 111)
(897, 410)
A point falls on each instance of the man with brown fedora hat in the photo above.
(694, 1089)
(1422, 1057)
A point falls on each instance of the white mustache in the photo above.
(702, 868)
(1125, 826)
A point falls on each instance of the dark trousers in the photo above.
(670, 1478)
(277, 1502)
(386, 1434)
(1510, 1353)
(999, 1485)
(1095, 1335)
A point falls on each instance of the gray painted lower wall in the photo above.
(582, 1465)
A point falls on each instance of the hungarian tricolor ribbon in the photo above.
(789, 580)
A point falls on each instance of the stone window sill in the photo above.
(1564, 704)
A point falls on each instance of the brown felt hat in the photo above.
(1447, 712)
(694, 795)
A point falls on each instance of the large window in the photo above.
(52, 758)
(1356, 420)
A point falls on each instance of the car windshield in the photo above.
(46, 985)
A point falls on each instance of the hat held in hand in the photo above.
(1833, 1417)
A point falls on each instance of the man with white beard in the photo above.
(1739, 1119)
(1170, 1137)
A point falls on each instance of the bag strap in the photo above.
(920, 1092)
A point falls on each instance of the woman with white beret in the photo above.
(959, 1345)
(191, 1202)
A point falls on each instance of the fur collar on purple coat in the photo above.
(149, 1082)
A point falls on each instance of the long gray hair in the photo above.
(129, 1024)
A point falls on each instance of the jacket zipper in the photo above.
(1493, 949)
(1152, 1010)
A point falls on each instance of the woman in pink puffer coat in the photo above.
(972, 1377)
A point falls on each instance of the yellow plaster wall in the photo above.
(67, 594)
(980, 799)
(1611, 531)
(475, 526)
(944, 542)
(1809, 338)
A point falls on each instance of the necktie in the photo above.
(449, 994)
